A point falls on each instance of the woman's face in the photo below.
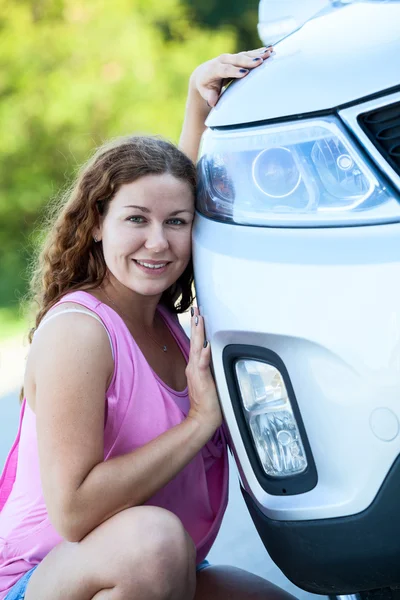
(146, 233)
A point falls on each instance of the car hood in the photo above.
(336, 58)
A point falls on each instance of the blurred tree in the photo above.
(219, 14)
(72, 74)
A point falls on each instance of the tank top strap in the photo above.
(81, 297)
(89, 301)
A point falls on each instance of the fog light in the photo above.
(270, 418)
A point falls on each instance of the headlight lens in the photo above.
(276, 173)
(270, 418)
(295, 175)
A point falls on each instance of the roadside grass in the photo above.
(12, 324)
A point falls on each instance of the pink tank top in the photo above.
(198, 495)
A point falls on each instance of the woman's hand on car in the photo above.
(210, 77)
(204, 403)
(205, 86)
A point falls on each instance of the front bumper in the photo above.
(327, 302)
(339, 556)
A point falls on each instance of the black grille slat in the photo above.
(382, 126)
(390, 133)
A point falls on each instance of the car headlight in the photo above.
(304, 174)
(270, 418)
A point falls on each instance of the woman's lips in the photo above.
(153, 270)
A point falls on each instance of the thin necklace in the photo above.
(163, 347)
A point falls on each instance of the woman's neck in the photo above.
(131, 306)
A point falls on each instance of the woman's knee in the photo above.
(165, 540)
(167, 555)
(155, 529)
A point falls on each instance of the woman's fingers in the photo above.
(197, 333)
(231, 66)
(247, 60)
(205, 356)
(199, 346)
(204, 404)
(222, 73)
(259, 51)
(211, 76)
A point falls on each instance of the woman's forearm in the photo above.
(205, 86)
(196, 113)
(131, 479)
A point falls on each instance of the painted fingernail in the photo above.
(196, 320)
(205, 344)
(243, 70)
(257, 59)
(192, 311)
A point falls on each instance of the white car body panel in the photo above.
(311, 70)
(278, 18)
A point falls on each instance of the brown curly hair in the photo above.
(69, 259)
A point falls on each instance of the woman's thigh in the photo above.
(140, 551)
(230, 583)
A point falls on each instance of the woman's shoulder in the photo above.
(72, 321)
(68, 340)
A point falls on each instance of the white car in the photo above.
(297, 265)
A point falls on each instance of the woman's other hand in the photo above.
(204, 403)
(210, 77)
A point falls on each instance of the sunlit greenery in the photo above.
(74, 73)
(12, 323)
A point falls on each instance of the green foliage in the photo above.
(74, 73)
(219, 14)
(11, 323)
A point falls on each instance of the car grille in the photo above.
(382, 126)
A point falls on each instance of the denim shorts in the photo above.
(18, 590)
(200, 567)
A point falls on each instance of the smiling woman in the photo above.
(117, 483)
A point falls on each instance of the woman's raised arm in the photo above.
(205, 85)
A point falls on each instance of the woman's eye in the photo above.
(138, 219)
(175, 222)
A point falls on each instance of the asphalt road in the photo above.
(237, 544)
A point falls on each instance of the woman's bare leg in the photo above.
(142, 553)
(230, 583)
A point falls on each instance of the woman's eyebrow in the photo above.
(147, 210)
(176, 212)
(142, 208)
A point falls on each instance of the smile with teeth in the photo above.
(151, 265)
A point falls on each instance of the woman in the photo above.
(117, 483)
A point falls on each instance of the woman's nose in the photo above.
(156, 240)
